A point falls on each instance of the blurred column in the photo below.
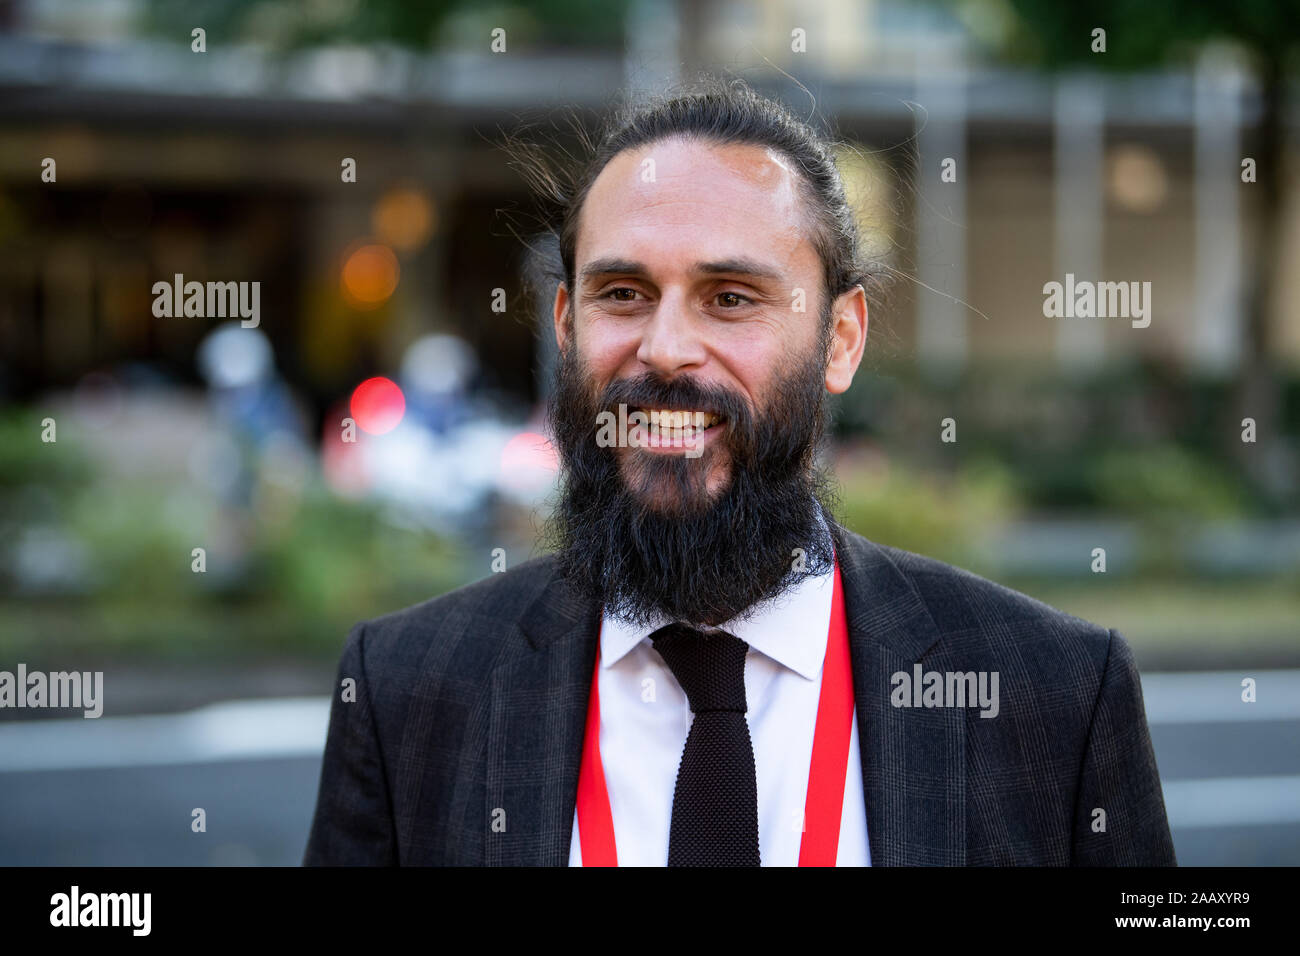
(845, 38)
(1216, 339)
(941, 337)
(1079, 129)
(652, 58)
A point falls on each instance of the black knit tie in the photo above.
(715, 804)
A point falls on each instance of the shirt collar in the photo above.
(791, 629)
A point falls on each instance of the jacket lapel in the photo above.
(913, 759)
(536, 718)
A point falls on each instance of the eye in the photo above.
(621, 294)
(732, 300)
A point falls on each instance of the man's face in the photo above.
(689, 262)
(689, 265)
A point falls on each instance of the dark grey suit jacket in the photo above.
(463, 744)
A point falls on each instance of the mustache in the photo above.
(650, 392)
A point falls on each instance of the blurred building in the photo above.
(228, 165)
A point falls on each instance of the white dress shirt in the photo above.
(645, 717)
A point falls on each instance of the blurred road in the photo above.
(121, 791)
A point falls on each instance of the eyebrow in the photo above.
(612, 265)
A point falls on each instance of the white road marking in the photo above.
(231, 730)
(1213, 697)
(296, 727)
(1232, 801)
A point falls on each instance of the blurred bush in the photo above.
(100, 566)
(1136, 442)
(940, 515)
(1163, 483)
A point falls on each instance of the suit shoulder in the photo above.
(486, 610)
(961, 600)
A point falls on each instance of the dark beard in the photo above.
(704, 561)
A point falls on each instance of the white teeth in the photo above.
(667, 418)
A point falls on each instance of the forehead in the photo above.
(679, 201)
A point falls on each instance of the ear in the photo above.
(558, 311)
(848, 339)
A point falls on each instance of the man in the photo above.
(709, 670)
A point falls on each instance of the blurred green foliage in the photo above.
(933, 514)
(1138, 443)
(1140, 34)
(416, 24)
(289, 582)
(23, 461)
(1163, 482)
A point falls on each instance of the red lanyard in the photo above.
(827, 774)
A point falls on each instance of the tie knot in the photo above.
(710, 666)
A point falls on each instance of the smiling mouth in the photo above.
(678, 426)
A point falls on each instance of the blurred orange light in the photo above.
(403, 218)
(369, 276)
(1137, 178)
(378, 405)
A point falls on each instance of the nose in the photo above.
(671, 339)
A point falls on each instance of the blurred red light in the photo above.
(528, 452)
(378, 405)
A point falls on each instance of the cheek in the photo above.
(753, 361)
(607, 348)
